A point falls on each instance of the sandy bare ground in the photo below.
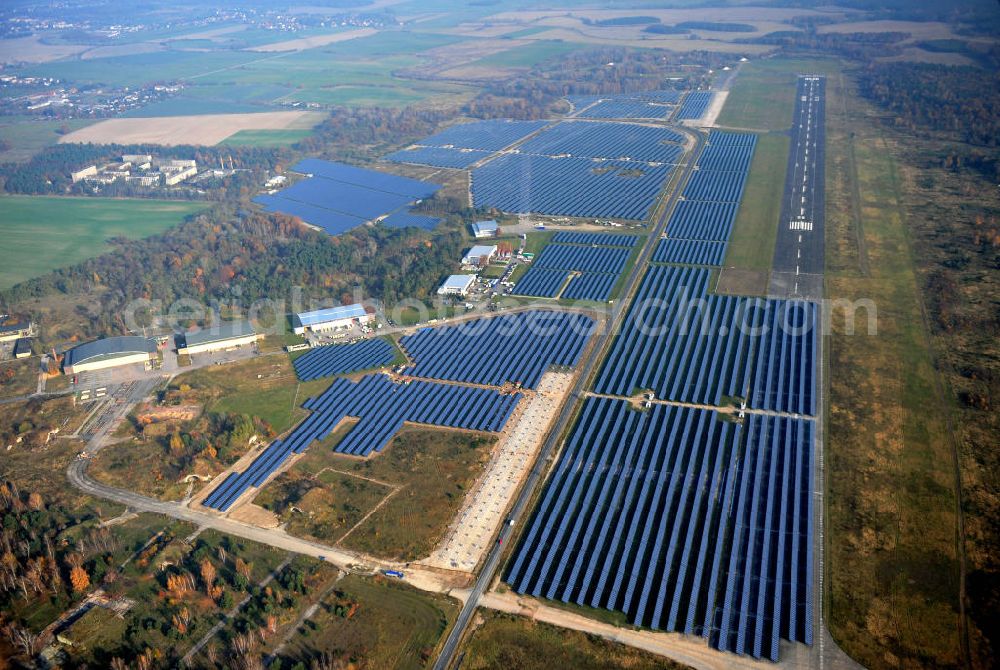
(315, 41)
(714, 108)
(205, 129)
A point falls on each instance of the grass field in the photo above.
(422, 477)
(24, 136)
(751, 246)
(530, 55)
(44, 233)
(18, 377)
(393, 626)
(507, 641)
(763, 95)
(266, 138)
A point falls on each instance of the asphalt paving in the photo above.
(797, 270)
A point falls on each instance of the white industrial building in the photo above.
(457, 285)
(214, 338)
(479, 255)
(109, 353)
(332, 318)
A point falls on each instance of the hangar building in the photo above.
(227, 335)
(109, 353)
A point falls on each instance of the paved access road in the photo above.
(797, 271)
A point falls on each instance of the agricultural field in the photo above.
(44, 233)
(383, 624)
(501, 640)
(23, 137)
(207, 129)
(265, 138)
(411, 490)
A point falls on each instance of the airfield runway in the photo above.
(798, 254)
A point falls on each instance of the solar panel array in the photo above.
(339, 359)
(490, 135)
(338, 197)
(666, 97)
(690, 252)
(700, 225)
(582, 258)
(437, 156)
(695, 105)
(680, 520)
(596, 286)
(596, 239)
(541, 283)
(623, 141)
(514, 348)
(688, 346)
(381, 407)
(627, 109)
(581, 187)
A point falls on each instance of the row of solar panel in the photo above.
(595, 239)
(621, 141)
(688, 346)
(544, 283)
(582, 258)
(489, 135)
(627, 109)
(515, 348)
(726, 138)
(333, 223)
(381, 408)
(668, 97)
(637, 518)
(438, 156)
(689, 252)
(694, 106)
(726, 157)
(568, 186)
(339, 359)
(715, 186)
(413, 189)
(700, 220)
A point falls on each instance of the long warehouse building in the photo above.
(332, 318)
(225, 336)
(109, 353)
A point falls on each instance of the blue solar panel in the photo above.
(636, 518)
(438, 156)
(338, 359)
(627, 109)
(372, 179)
(541, 283)
(381, 407)
(698, 220)
(689, 252)
(715, 186)
(490, 135)
(515, 348)
(591, 286)
(596, 239)
(582, 258)
(695, 105)
(568, 186)
(623, 141)
(330, 221)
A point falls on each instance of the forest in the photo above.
(963, 103)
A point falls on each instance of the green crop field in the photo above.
(528, 56)
(44, 233)
(266, 138)
(21, 137)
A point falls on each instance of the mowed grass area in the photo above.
(751, 246)
(377, 623)
(506, 641)
(44, 233)
(420, 480)
(891, 540)
(763, 95)
(266, 138)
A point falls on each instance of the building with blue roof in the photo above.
(331, 318)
